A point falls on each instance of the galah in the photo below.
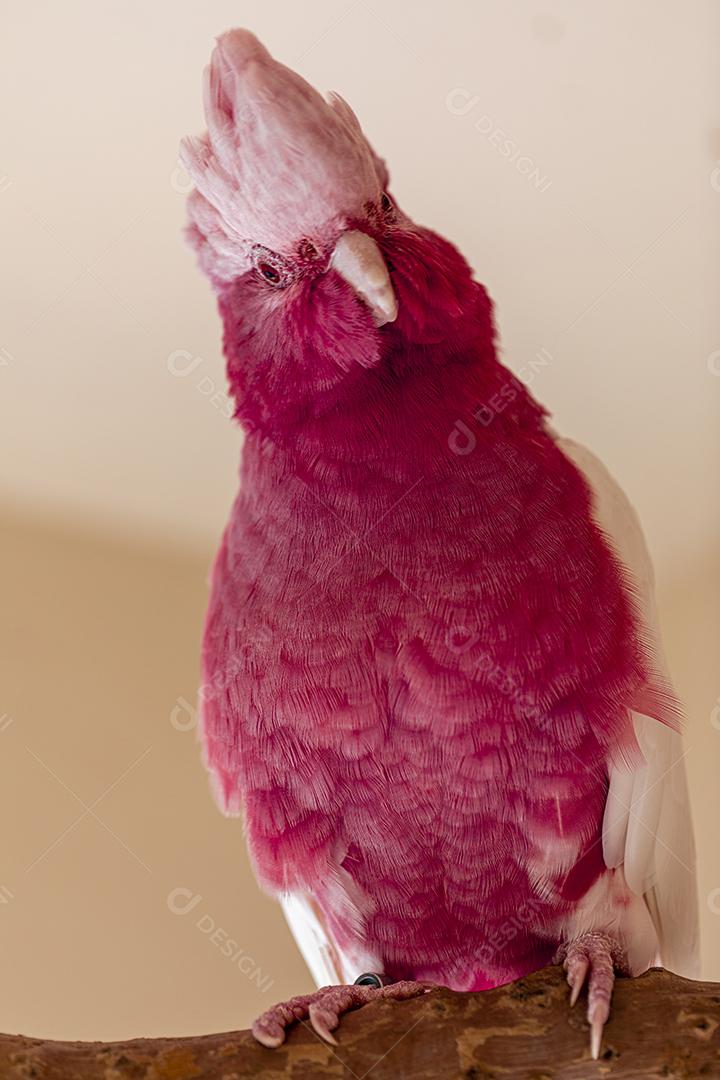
(433, 682)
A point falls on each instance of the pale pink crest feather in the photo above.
(278, 163)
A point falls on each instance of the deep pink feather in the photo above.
(414, 660)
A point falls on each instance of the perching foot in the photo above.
(597, 957)
(325, 1007)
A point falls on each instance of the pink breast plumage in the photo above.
(419, 679)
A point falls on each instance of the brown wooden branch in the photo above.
(661, 1026)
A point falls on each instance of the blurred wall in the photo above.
(121, 885)
(569, 149)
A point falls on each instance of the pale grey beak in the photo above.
(358, 259)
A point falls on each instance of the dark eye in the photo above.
(272, 267)
(270, 273)
(386, 203)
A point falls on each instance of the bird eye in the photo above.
(386, 203)
(273, 268)
(269, 273)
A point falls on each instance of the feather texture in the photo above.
(647, 827)
(426, 668)
(268, 132)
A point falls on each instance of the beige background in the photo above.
(569, 149)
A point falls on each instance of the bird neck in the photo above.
(420, 411)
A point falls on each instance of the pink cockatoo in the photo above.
(432, 677)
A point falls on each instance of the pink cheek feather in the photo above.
(290, 351)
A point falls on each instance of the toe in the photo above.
(593, 956)
(323, 1022)
(596, 1030)
(268, 1034)
(324, 1008)
(597, 1025)
(577, 969)
(407, 988)
(576, 962)
(599, 996)
(269, 1029)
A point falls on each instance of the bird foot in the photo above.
(325, 1007)
(597, 957)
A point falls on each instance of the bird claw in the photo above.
(576, 978)
(324, 1008)
(596, 1030)
(323, 1021)
(595, 957)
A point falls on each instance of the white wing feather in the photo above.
(327, 961)
(311, 937)
(647, 827)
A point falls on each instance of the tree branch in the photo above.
(660, 1026)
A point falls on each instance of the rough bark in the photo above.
(661, 1026)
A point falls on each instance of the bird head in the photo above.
(321, 278)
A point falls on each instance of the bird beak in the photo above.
(358, 259)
